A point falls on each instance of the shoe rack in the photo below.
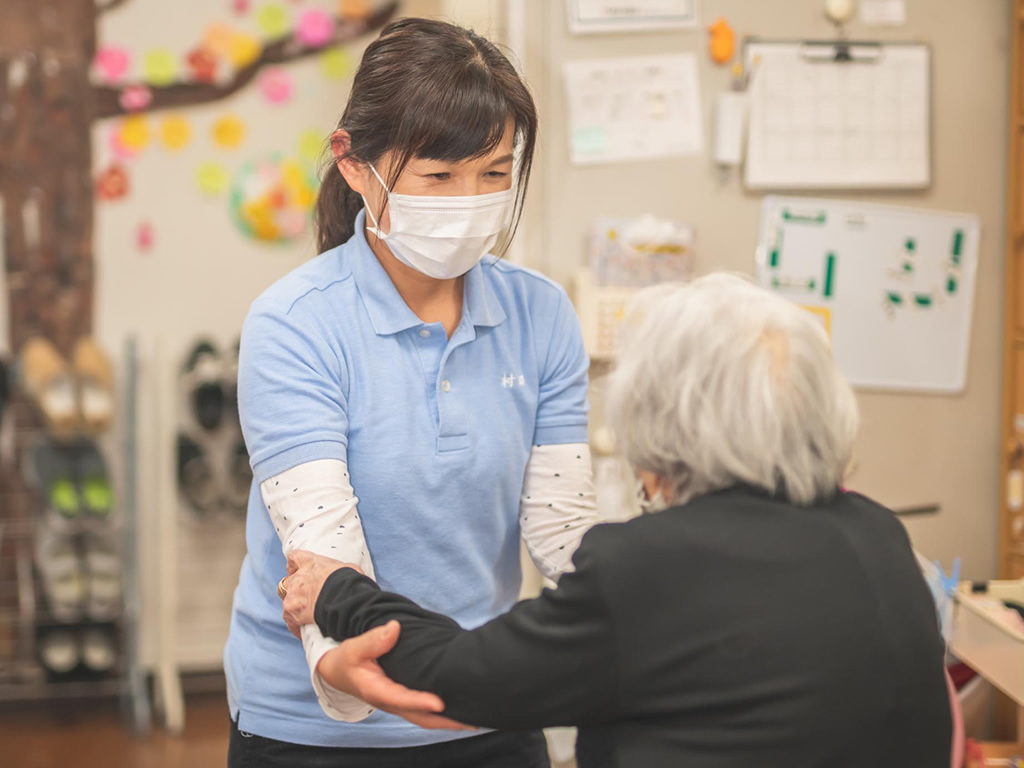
(52, 647)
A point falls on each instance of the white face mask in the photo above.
(650, 504)
(442, 237)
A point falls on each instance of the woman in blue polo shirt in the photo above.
(411, 403)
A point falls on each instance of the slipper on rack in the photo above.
(95, 377)
(4, 389)
(203, 379)
(195, 476)
(55, 474)
(46, 379)
(58, 652)
(231, 382)
(103, 594)
(94, 486)
(60, 571)
(97, 650)
(239, 479)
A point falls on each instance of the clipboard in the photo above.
(838, 115)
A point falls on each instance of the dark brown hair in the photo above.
(431, 90)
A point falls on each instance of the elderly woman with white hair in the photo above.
(759, 616)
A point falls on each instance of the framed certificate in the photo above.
(590, 16)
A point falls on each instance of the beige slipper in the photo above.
(46, 378)
(95, 385)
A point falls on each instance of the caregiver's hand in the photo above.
(352, 667)
(306, 576)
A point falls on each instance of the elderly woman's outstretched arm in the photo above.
(548, 661)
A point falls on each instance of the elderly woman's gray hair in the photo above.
(720, 382)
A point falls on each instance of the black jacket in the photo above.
(737, 630)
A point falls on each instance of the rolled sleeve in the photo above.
(562, 403)
(291, 394)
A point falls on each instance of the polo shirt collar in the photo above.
(388, 312)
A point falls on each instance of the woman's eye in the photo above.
(496, 174)
(440, 176)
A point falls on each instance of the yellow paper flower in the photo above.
(228, 132)
(273, 20)
(159, 68)
(135, 133)
(311, 144)
(175, 132)
(212, 178)
(336, 63)
(244, 50)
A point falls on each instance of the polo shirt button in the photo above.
(446, 386)
(425, 333)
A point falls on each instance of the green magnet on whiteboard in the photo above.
(894, 298)
(908, 266)
(774, 258)
(910, 244)
(806, 218)
(958, 244)
(830, 266)
(923, 299)
(951, 285)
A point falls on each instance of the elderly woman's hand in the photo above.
(306, 576)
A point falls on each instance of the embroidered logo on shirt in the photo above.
(510, 380)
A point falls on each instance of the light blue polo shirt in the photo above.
(436, 433)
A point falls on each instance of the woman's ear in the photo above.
(353, 170)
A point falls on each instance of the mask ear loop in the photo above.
(376, 225)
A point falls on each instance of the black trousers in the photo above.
(500, 749)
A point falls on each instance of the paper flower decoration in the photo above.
(240, 6)
(273, 20)
(276, 85)
(244, 50)
(315, 28)
(144, 236)
(228, 132)
(135, 98)
(112, 184)
(134, 133)
(111, 63)
(336, 63)
(311, 144)
(159, 68)
(212, 178)
(202, 65)
(354, 9)
(271, 200)
(175, 132)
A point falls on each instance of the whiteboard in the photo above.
(820, 124)
(894, 286)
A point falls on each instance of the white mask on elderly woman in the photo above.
(649, 504)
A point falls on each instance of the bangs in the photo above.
(460, 119)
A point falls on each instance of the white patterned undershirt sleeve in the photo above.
(313, 507)
(558, 505)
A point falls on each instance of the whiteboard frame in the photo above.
(769, 202)
(810, 189)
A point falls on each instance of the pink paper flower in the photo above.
(276, 85)
(315, 28)
(135, 98)
(112, 63)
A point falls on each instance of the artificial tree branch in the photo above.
(282, 51)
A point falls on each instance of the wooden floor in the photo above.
(92, 735)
